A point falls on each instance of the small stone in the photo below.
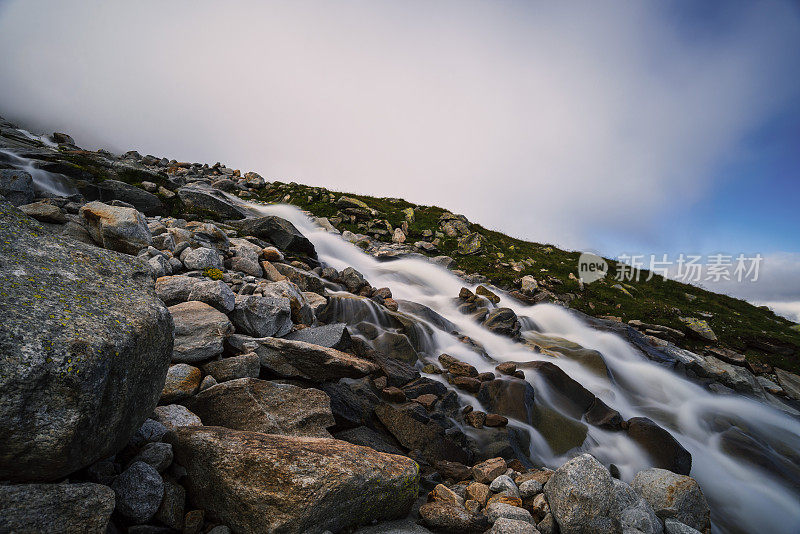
(504, 484)
(242, 366)
(139, 490)
(201, 259)
(193, 522)
(485, 472)
(44, 212)
(475, 419)
(671, 526)
(171, 510)
(477, 492)
(507, 368)
(495, 420)
(208, 381)
(393, 394)
(530, 488)
(504, 525)
(182, 382)
(157, 455)
(272, 254)
(444, 494)
(175, 416)
(472, 385)
(502, 498)
(499, 510)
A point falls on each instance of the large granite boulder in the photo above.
(85, 347)
(55, 507)
(268, 407)
(259, 316)
(279, 232)
(674, 496)
(200, 331)
(108, 190)
(664, 450)
(256, 482)
(207, 201)
(580, 495)
(117, 228)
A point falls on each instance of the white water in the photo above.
(743, 497)
(43, 181)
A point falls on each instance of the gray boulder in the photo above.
(44, 212)
(672, 526)
(174, 415)
(268, 407)
(332, 336)
(279, 232)
(632, 512)
(139, 491)
(200, 331)
(214, 292)
(116, 228)
(81, 325)
(242, 366)
(504, 525)
(498, 510)
(580, 495)
(262, 316)
(674, 496)
(108, 190)
(17, 186)
(204, 200)
(55, 507)
(157, 455)
(201, 258)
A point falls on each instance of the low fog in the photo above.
(585, 126)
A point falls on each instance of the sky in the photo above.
(619, 127)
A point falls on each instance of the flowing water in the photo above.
(743, 496)
(44, 182)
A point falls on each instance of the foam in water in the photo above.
(43, 181)
(744, 497)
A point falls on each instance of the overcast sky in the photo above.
(620, 127)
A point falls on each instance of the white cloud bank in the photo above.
(551, 121)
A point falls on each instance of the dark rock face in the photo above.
(268, 407)
(256, 482)
(16, 186)
(418, 432)
(280, 233)
(664, 450)
(512, 398)
(205, 199)
(147, 203)
(55, 507)
(503, 321)
(85, 349)
(332, 336)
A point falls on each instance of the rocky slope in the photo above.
(174, 361)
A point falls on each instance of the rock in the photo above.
(157, 455)
(673, 496)
(494, 420)
(477, 491)
(503, 321)
(280, 233)
(193, 522)
(201, 258)
(513, 398)
(528, 285)
(511, 526)
(83, 507)
(500, 510)
(44, 212)
(242, 366)
(200, 331)
(393, 394)
(504, 484)
(339, 484)
(664, 450)
(366, 437)
(470, 244)
(182, 382)
(262, 316)
(448, 518)
(215, 293)
(632, 512)
(205, 200)
(296, 359)
(453, 470)
(17, 186)
(268, 407)
(728, 356)
(475, 419)
(672, 526)
(116, 228)
(398, 236)
(174, 415)
(580, 496)
(139, 490)
(352, 280)
(699, 328)
(790, 383)
(81, 325)
(420, 434)
(442, 493)
(530, 488)
(170, 511)
(548, 525)
(332, 336)
(485, 472)
(175, 289)
(150, 431)
(108, 190)
(350, 202)
(456, 367)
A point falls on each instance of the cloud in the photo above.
(550, 121)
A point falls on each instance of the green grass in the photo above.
(736, 323)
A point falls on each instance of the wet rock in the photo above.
(421, 434)
(182, 382)
(262, 316)
(44, 212)
(81, 326)
(332, 336)
(205, 200)
(664, 450)
(503, 321)
(456, 367)
(580, 496)
(243, 366)
(448, 518)
(17, 186)
(33, 508)
(268, 407)
(139, 490)
(339, 484)
(673, 496)
(485, 472)
(280, 233)
(296, 359)
(466, 383)
(200, 331)
(116, 228)
(512, 398)
(174, 415)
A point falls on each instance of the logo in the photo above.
(591, 267)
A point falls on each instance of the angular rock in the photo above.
(512, 398)
(139, 490)
(470, 244)
(332, 336)
(366, 437)
(200, 331)
(504, 525)
(174, 416)
(699, 328)
(486, 471)
(215, 293)
(664, 450)
(205, 200)
(500, 510)
(448, 518)
(182, 382)
(673, 496)
(33, 508)
(170, 511)
(81, 325)
(426, 436)
(116, 228)
(44, 212)
(790, 383)
(243, 366)
(267, 407)
(156, 455)
(632, 512)
(201, 258)
(254, 482)
(262, 316)
(296, 359)
(108, 190)
(503, 321)
(279, 232)
(17, 186)
(580, 496)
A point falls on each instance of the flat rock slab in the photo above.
(256, 482)
(85, 346)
